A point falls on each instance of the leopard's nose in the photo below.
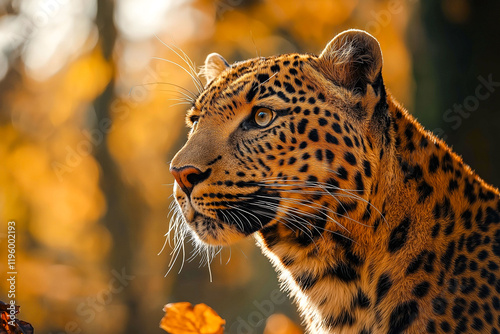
(188, 176)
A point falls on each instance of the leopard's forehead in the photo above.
(257, 72)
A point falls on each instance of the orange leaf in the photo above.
(183, 318)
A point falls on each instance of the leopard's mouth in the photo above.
(232, 222)
(213, 231)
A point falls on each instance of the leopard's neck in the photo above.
(343, 278)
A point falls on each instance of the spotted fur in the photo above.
(374, 224)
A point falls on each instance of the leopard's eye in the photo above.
(194, 118)
(263, 117)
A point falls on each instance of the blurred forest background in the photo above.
(89, 120)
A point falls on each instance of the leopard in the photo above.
(373, 224)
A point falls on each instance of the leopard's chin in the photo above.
(213, 232)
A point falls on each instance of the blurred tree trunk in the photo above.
(455, 47)
(122, 201)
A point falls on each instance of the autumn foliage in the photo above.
(184, 318)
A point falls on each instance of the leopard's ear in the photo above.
(352, 59)
(215, 64)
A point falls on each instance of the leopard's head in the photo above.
(278, 140)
